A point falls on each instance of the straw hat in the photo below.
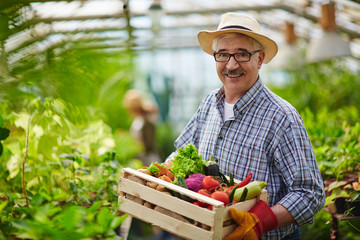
(239, 23)
(134, 100)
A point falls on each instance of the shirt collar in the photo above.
(245, 101)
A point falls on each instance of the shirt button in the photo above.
(221, 137)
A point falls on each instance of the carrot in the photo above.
(165, 171)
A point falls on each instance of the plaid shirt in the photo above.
(265, 137)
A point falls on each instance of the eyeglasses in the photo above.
(242, 56)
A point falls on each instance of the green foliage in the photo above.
(165, 137)
(81, 77)
(71, 159)
(326, 84)
(327, 95)
(52, 221)
(335, 140)
(68, 103)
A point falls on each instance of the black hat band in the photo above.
(236, 26)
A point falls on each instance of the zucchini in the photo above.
(253, 189)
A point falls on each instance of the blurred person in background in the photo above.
(143, 127)
(249, 129)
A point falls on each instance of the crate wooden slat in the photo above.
(173, 214)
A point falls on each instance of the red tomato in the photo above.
(221, 196)
(210, 183)
(198, 203)
(205, 193)
(224, 189)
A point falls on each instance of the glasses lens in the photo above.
(222, 57)
(242, 56)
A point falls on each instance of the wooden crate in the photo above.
(175, 215)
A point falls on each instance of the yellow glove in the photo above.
(245, 221)
(252, 224)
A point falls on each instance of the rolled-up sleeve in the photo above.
(295, 161)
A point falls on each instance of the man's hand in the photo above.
(252, 224)
(245, 221)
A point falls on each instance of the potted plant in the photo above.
(343, 195)
(335, 196)
(353, 202)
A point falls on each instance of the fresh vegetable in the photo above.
(154, 170)
(205, 193)
(194, 181)
(210, 183)
(158, 169)
(187, 161)
(253, 189)
(181, 182)
(232, 193)
(224, 179)
(164, 171)
(221, 196)
(145, 170)
(243, 182)
(168, 163)
(165, 178)
(212, 167)
(243, 195)
(229, 182)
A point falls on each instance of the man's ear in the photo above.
(261, 59)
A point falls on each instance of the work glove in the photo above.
(252, 224)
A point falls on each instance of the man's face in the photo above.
(238, 77)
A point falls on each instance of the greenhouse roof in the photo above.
(34, 26)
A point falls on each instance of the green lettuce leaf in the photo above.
(187, 161)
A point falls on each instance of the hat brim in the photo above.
(206, 39)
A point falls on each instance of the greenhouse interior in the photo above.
(77, 78)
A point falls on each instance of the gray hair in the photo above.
(255, 43)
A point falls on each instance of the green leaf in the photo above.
(104, 218)
(66, 163)
(3, 205)
(78, 160)
(13, 166)
(95, 206)
(353, 198)
(71, 218)
(46, 144)
(336, 184)
(73, 186)
(84, 171)
(116, 222)
(22, 120)
(20, 201)
(4, 133)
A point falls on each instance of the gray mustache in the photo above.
(234, 72)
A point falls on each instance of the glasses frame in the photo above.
(233, 55)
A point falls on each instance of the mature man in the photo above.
(249, 129)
